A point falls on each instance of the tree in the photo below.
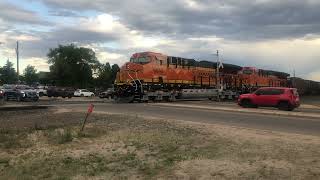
(44, 78)
(72, 66)
(106, 75)
(8, 74)
(115, 69)
(30, 75)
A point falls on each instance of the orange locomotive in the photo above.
(254, 78)
(156, 68)
(168, 75)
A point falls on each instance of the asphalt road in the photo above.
(232, 104)
(309, 126)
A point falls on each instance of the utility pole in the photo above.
(17, 52)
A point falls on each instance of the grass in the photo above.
(13, 139)
(125, 147)
(59, 136)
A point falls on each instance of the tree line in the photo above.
(70, 66)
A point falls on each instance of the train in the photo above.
(156, 76)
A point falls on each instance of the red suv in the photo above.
(282, 98)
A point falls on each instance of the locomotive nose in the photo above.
(129, 66)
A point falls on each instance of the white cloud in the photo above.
(193, 4)
(101, 23)
(126, 37)
(112, 58)
(280, 55)
(208, 38)
(40, 63)
(314, 76)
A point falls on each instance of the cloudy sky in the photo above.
(270, 34)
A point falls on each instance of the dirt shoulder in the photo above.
(47, 144)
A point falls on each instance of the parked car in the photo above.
(1, 96)
(19, 93)
(83, 93)
(60, 92)
(41, 90)
(282, 98)
(109, 93)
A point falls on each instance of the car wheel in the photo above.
(246, 103)
(5, 98)
(285, 106)
(92, 95)
(82, 95)
(1, 101)
(41, 94)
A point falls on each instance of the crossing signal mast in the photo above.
(219, 65)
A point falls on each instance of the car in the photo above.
(41, 90)
(1, 96)
(281, 98)
(83, 93)
(20, 93)
(63, 92)
(109, 93)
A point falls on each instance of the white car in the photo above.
(41, 91)
(83, 93)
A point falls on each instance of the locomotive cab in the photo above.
(248, 71)
(140, 60)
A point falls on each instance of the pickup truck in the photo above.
(60, 92)
(109, 93)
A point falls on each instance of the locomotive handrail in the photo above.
(133, 81)
(139, 82)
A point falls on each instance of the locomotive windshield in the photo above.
(140, 60)
(247, 71)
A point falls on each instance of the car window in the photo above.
(261, 92)
(270, 91)
(276, 91)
